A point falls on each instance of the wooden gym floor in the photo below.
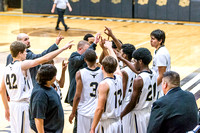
(182, 41)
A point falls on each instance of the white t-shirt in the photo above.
(61, 4)
(161, 58)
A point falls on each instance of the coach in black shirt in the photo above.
(46, 112)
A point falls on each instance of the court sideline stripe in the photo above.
(106, 19)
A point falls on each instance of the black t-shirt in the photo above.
(45, 104)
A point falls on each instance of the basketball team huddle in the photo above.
(117, 93)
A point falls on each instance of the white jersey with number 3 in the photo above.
(18, 86)
(113, 105)
(90, 80)
(148, 93)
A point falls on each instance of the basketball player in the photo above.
(87, 80)
(161, 59)
(110, 95)
(144, 88)
(128, 78)
(17, 81)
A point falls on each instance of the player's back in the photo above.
(148, 93)
(113, 105)
(18, 86)
(90, 80)
(129, 88)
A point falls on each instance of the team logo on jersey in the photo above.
(184, 3)
(94, 75)
(95, 1)
(161, 2)
(143, 2)
(75, 0)
(116, 1)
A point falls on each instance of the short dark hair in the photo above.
(114, 45)
(172, 77)
(159, 34)
(87, 36)
(128, 50)
(16, 47)
(90, 55)
(142, 54)
(110, 64)
(46, 73)
(49, 62)
(82, 43)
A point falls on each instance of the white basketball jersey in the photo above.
(90, 80)
(18, 86)
(129, 88)
(148, 93)
(113, 106)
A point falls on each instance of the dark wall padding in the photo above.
(195, 11)
(184, 13)
(141, 10)
(1, 5)
(37, 6)
(105, 8)
(172, 9)
(152, 9)
(177, 10)
(161, 12)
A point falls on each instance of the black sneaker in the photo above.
(57, 28)
(66, 28)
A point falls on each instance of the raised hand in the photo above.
(69, 45)
(108, 31)
(108, 45)
(59, 38)
(64, 65)
(97, 38)
(102, 42)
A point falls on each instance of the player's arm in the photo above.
(124, 81)
(62, 78)
(104, 52)
(137, 88)
(77, 97)
(69, 6)
(103, 89)
(161, 71)
(108, 31)
(32, 63)
(39, 125)
(31, 55)
(4, 99)
(128, 63)
(108, 45)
